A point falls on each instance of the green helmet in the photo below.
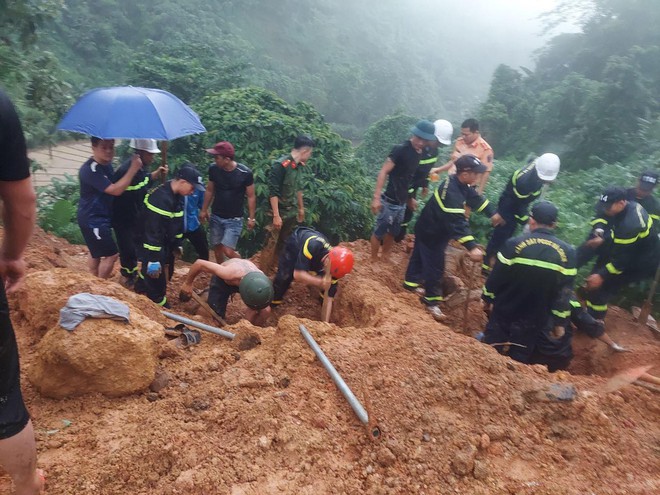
(256, 290)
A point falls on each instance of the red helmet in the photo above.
(341, 261)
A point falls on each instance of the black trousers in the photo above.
(427, 264)
(13, 414)
(128, 249)
(219, 294)
(199, 241)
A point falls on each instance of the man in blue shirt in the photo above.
(95, 207)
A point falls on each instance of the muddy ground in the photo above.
(259, 415)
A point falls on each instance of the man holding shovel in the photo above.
(232, 276)
(309, 258)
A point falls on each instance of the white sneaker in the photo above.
(420, 291)
(436, 313)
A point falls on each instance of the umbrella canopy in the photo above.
(129, 112)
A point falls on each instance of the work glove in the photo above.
(153, 269)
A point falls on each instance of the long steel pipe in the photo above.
(201, 326)
(339, 381)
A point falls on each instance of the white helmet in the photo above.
(443, 131)
(148, 145)
(547, 166)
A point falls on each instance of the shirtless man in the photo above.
(232, 276)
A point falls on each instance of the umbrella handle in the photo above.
(163, 158)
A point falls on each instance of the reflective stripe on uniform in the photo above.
(514, 181)
(138, 186)
(641, 235)
(150, 247)
(160, 211)
(523, 218)
(410, 284)
(483, 205)
(561, 314)
(163, 302)
(597, 307)
(465, 239)
(575, 304)
(613, 269)
(444, 208)
(306, 252)
(538, 263)
(488, 294)
(426, 161)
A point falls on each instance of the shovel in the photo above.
(208, 309)
(326, 309)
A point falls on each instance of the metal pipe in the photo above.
(341, 384)
(201, 326)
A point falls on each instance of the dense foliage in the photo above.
(594, 96)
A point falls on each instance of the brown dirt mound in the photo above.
(456, 417)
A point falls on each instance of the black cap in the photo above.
(544, 212)
(189, 173)
(610, 195)
(648, 180)
(469, 163)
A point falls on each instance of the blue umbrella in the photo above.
(128, 112)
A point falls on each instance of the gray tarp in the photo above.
(84, 305)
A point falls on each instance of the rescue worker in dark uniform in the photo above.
(633, 254)
(443, 133)
(126, 208)
(442, 219)
(305, 258)
(529, 291)
(643, 194)
(523, 188)
(162, 224)
(593, 245)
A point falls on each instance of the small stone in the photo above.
(426, 437)
(480, 471)
(161, 381)
(484, 442)
(385, 457)
(264, 442)
(463, 461)
(480, 389)
(152, 397)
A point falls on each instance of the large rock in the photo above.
(100, 356)
(43, 294)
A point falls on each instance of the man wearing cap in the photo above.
(126, 208)
(643, 194)
(399, 168)
(162, 226)
(97, 191)
(471, 143)
(228, 185)
(598, 242)
(228, 278)
(442, 219)
(632, 254)
(529, 291)
(443, 132)
(524, 187)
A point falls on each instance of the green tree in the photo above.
(262, 127)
